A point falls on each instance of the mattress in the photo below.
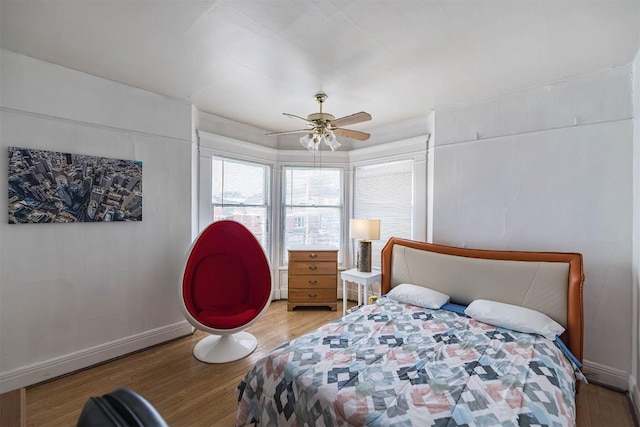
(397, 364)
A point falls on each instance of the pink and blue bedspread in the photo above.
(392, 364)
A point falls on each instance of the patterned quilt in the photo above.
(392, 364)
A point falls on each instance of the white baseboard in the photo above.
(634, 394)
(606, 375)
(52, 368)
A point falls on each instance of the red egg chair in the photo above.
(226, 287)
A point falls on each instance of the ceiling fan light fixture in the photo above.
(310, 141)
(305, 140)
(315, 143)
(331, 141)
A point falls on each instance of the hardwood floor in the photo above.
(191, 393)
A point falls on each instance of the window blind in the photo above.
(384, 191)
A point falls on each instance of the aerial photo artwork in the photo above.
(49, 186)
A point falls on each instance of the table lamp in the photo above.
(365, 230)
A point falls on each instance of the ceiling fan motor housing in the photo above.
(320, 117)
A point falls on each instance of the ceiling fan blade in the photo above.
(296, 117)
(290, 131)
(354, 134)
(352, 119)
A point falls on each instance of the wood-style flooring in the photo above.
(191, 393)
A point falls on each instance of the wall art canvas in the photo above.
(50, 186)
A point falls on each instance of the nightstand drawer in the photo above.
(312, 256)
(312, 268)
(312, 295)
(312, 282)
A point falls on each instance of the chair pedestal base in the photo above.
(225, 348)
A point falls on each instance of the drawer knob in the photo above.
(313, 255)
(313, 267)
(313, 282)
(312, 296)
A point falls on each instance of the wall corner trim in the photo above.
(634, 395)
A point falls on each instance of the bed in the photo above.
(504, 349)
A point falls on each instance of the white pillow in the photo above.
(514, 317)
(418, 295)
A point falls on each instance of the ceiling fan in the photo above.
(323, 127)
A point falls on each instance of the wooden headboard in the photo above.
(549, 282)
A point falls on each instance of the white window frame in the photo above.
(221, 146)
(267, 172)
(414, 149)
(284, 206)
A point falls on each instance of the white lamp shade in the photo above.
(331, 141)
(310, 141)
(365, 229)
(305, 140)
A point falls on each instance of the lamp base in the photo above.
(364, 256)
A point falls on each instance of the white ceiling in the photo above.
(251, 60)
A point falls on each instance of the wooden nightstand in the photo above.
(313, 277)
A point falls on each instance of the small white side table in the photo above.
(361, 279)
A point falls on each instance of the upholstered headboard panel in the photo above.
(549, 282)
(538, 285)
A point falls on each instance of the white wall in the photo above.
(72, 295)
(549, 168)
(634, 383)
